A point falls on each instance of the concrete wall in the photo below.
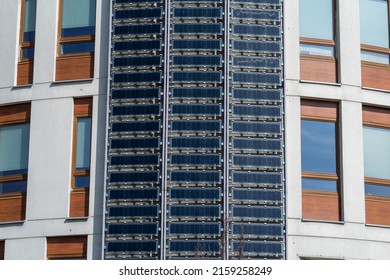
(51, 124)
(351, 238)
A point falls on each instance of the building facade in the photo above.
(183, 129)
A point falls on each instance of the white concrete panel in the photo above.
(9, 41)
(45, 41)
(352, 162)
(291, 40)
(50, 159)
(25, 249)
(349, 42)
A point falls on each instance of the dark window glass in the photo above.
(274, 196)
(255, 30)
(10, 187)
(129, 127)
(142, 194)
(78, 47)
(258, 229)
(273, 248)
(377, 190)
(196, 109)
(257, 46)
(206, 92)
(256, 62)
(257, 161)
(196, 126)
(257, 144)
(135, 143)
(196, 143)
(143, 93)
(133, 211)
(195, 193)
(204, 76)
(256, 127)
(257, 178)
(197, 60)
(258, 14)
(134, 160)
(194, 228)
(318, 146)
(137, 61)
(136, 110)
(271, 2)
(196, 159)
(319, 185)
(197, 44)
(208, 12)
(138, 13)
(137, 45)
(257, 212)
(257, 94)
(27, 52)
(256, 78)
(196, 176)
(194, 246)
(133, 229)
(195, 211)
(257, 111)
(132, 246)
(135, 177)
(81, 182)
(197, 28)
(29, 20)
(137, 29)
(137, 77)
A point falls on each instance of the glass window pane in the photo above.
(81, 182)
(377, 190)
(27, 52)
(316, 50)
(318, 146)
(77, 47)
(83, 148)
(375, 57)
(78, 17)
(374, 23)
(316, 19)
(376, 152)
(10, 187)
(14, 144)
(30, 8)
(319, 185)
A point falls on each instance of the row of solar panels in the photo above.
(257, 2)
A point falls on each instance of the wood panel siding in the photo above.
(66, 247)
(25, 73)
(378, 210)
(319, 110)
(83, 107)
(376, 116)
(14, 114)
(318, 69)
(79, 203)
(12, 207)
(75, 67)
(375, 76)
(2, 249)
(318, 205)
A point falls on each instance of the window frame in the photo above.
(376, 117)
(324, 111)
(22, 44)
(14, 115)
(377, 49)
(72, 39)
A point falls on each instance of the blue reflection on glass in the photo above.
(319, 185)
(377, 190)
(318, 146)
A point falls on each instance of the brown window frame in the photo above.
(319, 68)
(14, 203)
(2, 249)
(325, 111)
(79, 200)
(380, 118)
(66, 247)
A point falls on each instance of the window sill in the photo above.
(323, 222)
(376, 89)
(80, 81)
(12, 223)
(75, 219)
(320, 83)
(377, 226)
(22, 87)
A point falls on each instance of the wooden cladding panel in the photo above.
(83, 107)
(67, 247)
(18, 113)
(79, 203)
(318, 69)
(317, 205)
(376, 116)
(320, 110)
(375, 76)
(25, 73)
(378, 210)
(2, 247)
(74, 68)
(12, 207)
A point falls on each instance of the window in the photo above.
(67, 247)
(81, 157)
(376, 136)
(317, 40)
(375, 43)
(14, 148)
(27, 42)
(320, 162)
(2, 247)
(76, 43)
